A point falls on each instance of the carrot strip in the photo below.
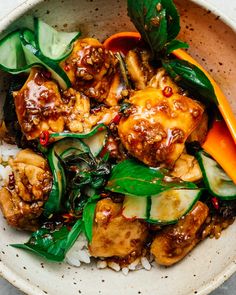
(122, 42)
(224, 105)
(220, 145)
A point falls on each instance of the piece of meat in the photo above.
(139, 68)
(22, 201)
(91, 69)
(157, 126)
(113, 235)
(41, 107)
(187, 168)
(104, 115)
(161, 80)
(38, 105)
(200, 133)
(174, 242)
(77, 109)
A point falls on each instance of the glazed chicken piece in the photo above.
(38, 105)
(113, 235)
(187, 168)
(157, 126)
(139, 68)
(161, 80)
(28, 189)
(92, 70)
(200, 133)
(174, 242)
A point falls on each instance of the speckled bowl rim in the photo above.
(29, 288)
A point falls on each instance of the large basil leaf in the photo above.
(52, 244)
(156, 20)
(151, 23)
(192, 78)
(88, 216)
(133, 178)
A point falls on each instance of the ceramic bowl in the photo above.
(213, 41)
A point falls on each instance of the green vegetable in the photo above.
(191, 78)
(156, 20)
(34, 56)
(95, 139)
(132, 178)
(169, 206)
(173, 19)
(57, 194)
(175, 44)
(216, 180)
(164, 208)
(88, 216)
(53, 44)
(12, 56)
(135, 207)
(52, 244)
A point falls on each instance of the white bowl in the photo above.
(213, 43)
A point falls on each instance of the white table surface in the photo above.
(226, 6)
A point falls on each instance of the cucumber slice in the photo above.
(60, 150)
(69, 146)
(96, 142)
(12, 57)
(169, 206)
(135, 207)
(216, 180)
(95, 139)
(53, 204)
(53, 44)
(34, 56)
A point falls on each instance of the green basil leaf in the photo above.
(191, 78)
(175, 44)
(130, 177)
(150, 21)
(52, 244)
(88, 216)
(173, 19)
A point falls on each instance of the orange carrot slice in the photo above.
(220, 145)
(123, 41)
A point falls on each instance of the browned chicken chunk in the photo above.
(174, 242)
(187, 168)
(28, 189)
(38, 105)
(91, 69)
(139, 68)
(113, 235)
(157, 126)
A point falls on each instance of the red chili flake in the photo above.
(101, 128)
(116, 120)
(167, 91)
(68, 217)
(47, 74)
(67, 68)
(44, 138)
(215, 203)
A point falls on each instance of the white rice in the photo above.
(79, 252)
(6, 151)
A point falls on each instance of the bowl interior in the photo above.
(213, 44)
